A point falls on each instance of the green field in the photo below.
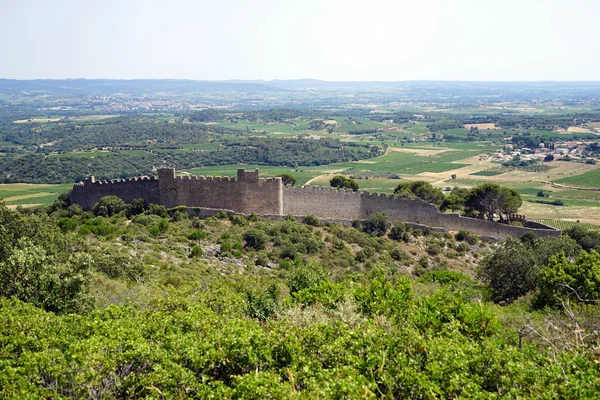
(80, 154)
(487, 173)
(589, 179)
(23, 194)
(564, 225)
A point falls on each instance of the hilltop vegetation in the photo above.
(139, 301)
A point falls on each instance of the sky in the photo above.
(336, 40)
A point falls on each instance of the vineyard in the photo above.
(564, 225)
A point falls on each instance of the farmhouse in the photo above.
(269, 197)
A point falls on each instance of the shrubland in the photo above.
(144, 301)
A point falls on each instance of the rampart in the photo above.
(247, 194)
(346, 204)
(250, 194)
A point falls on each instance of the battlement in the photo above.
(248, 193)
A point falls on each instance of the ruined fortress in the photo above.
(269, 197)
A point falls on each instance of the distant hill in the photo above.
(135, 86)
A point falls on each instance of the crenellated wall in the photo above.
(250, 194)
(343, 204)
(88, 193)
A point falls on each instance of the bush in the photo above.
(238, 220)
(399, 255)
(108, 206)
(56, 282)
(196, 252)
(120, 266)
(68, 224)
(561, 279)
(198, 235)
(400, 232)
(511, 271)
(376, 224)
(364, 254)
(467, 236)
(155, 209)
(255, 239)
(262, 305)
(444, 277)
(311, 220)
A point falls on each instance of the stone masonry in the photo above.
(251, 194)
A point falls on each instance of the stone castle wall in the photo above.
(247, 194)
(250, 194)
(343, 204)
(90, 191)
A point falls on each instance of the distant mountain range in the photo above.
(183, 86)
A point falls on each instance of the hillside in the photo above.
(137, 301)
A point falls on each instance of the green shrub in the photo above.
(120, 266)
(562, 280)
(108, 206)
(68, 224)
(198, 235)
(364, 254)
(467, 236)
(399, 255)
(196, 252)
(262, 305)
(311, 220)
(434, 248)
(255, 239)
(400, 232)
(239, 220)
(54, 281)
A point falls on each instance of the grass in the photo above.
(564, 225)
(23, 194)
(487, 173)
(588, 179)
(81, 154)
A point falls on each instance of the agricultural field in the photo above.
(25, 195)
(589, 179)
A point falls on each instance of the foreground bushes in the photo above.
(438, 347)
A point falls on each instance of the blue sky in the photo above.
(321, 39)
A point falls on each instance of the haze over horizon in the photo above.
(382, 40)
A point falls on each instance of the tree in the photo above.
(421, 189)
(562, 279)
(287, 179)
(510, 201)
(108, 206)
(511, 270)
(490, 199)
(376, 224)
(455, 201)
(342, 182)
(549, 157)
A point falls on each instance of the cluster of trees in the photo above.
(487, 200)
(555, 270)
(343, 182)
(36, 168)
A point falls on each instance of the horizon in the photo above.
(303, 79)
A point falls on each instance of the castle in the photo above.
(269, 197)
